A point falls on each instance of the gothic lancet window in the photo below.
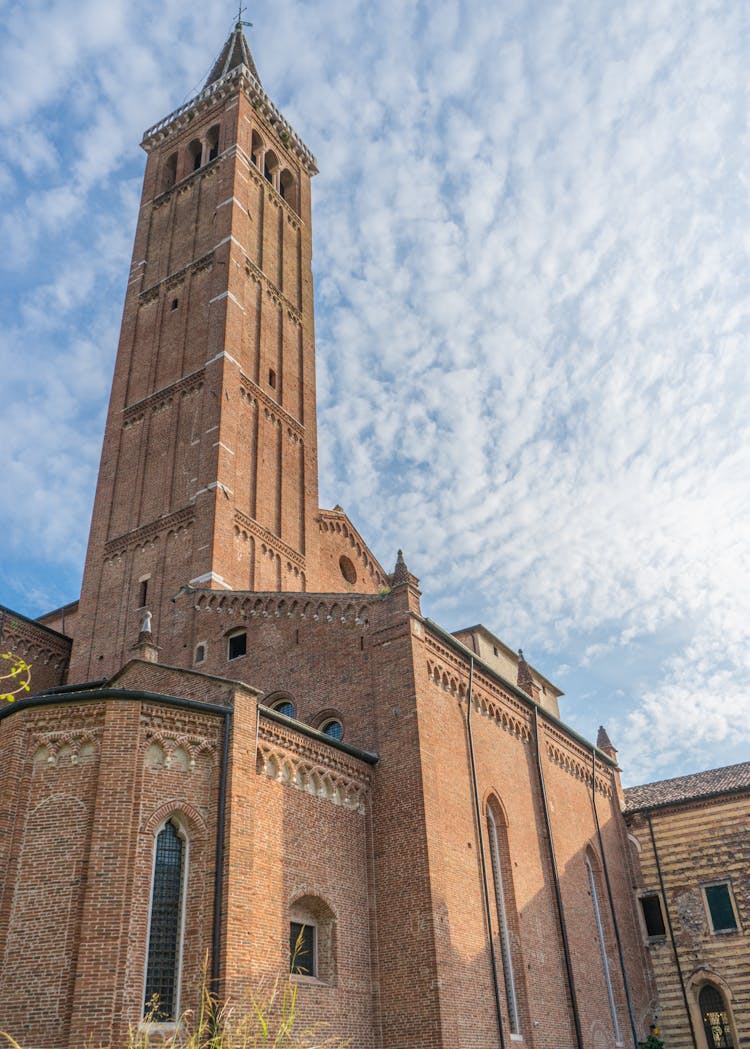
(602, 946)
(165, 926)
(715, 1019)
(504, 905)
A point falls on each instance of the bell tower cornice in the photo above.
(240, 77)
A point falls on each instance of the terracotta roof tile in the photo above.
(688, 788)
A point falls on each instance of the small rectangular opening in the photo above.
(238, 645)
(302, 949)
(652, 916)
(143, 593)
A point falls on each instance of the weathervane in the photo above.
(240, 13)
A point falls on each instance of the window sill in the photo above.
(311, 981)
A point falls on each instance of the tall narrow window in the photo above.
(715, 1019)
(502, 905)
(170, 171)
(165, 927)
(603, 949)
(195, 153)
(720, 909)
(212, 143)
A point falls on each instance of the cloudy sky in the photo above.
(532, 236)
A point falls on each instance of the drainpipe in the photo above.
(558, 893)
(483, 862)
(219, 877)
(620, 954)
(671, 931)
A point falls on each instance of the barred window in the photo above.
(715, 1018)
(333, 728)
(165, 928)
(285, 707)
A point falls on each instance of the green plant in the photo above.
(266, 1019)
(15, 676)
(652, 1042)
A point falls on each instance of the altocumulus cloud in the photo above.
(531, 264)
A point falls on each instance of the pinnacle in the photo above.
(235, 52)
(401, 572)
(603, 742)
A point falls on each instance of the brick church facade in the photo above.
(246, 731)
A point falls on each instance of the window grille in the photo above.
(715, 1019)
(166, 920)
(285, 707)
(334, 729)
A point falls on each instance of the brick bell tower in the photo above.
(208, 475)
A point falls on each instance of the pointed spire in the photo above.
(234, 53)
(401, 572)
(604, 743)
(524, 679)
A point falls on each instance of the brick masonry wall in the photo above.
(46, 651)
(503, 734)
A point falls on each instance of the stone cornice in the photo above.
(447, 670)
(257, 274)
(295, 760)
(351, 609)
(243, 521)
(32, 641)
(179, 519)
(152, 293)
(238, 78)
(272, 408)
(162, 397)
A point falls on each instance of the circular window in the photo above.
(284, 707)
(348, 571)
(333, 728)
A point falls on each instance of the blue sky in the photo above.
(532, 235)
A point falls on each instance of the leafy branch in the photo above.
(15, 677)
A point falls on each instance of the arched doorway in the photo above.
(715, 1018)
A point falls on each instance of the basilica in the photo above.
(245, 751)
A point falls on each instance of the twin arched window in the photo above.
(163, 960)
(268, 163)
(198, 153)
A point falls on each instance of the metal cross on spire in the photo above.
(240, 12)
